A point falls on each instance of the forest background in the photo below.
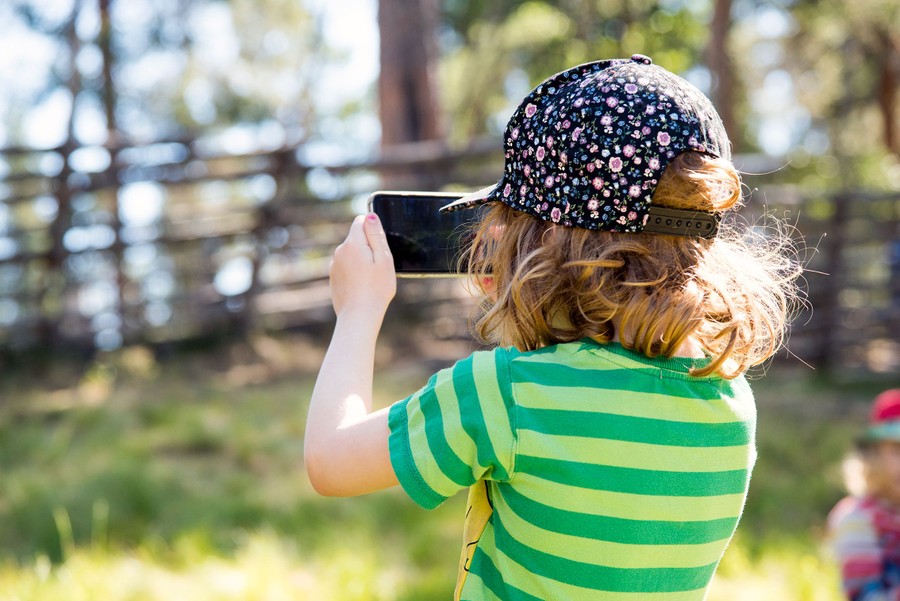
(174, 175)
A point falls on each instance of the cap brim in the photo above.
(469, 201)
(885, 431)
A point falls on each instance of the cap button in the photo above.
(640, 58)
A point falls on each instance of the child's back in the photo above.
(606, 470)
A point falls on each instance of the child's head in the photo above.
(879, 450)
(588, 146)
(606, 224)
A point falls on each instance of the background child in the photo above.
(607, 441)
(865, 527)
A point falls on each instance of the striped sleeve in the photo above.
(455, 431)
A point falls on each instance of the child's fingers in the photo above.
(356, 233)
(377, 239)
(355, 242)
(360, 278)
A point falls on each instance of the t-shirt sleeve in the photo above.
(456, 430)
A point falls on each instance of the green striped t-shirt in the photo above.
(610, 475)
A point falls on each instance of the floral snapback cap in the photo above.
(587, 147)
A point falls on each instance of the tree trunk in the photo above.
(720, 67)
(113, 144)
(888, 84)
(406, 89)
(54, 291)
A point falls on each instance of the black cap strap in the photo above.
(681, 222)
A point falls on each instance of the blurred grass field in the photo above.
(138, 480)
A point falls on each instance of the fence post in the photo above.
(828, 307)
(56, 282)
(113, 142)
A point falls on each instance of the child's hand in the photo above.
(362, 270)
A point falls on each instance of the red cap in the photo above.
(886, 406)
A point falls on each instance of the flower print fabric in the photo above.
(586, 147)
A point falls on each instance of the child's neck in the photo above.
(690, 348)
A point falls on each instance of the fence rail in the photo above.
(103, 246)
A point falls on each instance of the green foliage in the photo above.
(837, 57)
(501, 50)
(179, 66)
(141, 481)
(807, 70)
(788, 570)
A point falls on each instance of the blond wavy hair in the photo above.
(545, 284)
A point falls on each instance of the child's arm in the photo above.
(346, 445)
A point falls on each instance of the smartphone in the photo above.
(423, 241)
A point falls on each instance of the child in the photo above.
(606, 442)
(865, 528)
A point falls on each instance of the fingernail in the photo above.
(371, 217)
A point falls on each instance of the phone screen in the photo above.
(423, 241)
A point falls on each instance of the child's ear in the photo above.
(489, 285)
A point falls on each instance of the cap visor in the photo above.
(886, 431)
(470, 200)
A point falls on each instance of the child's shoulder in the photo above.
(549, 352)
(852, 509)
(578, 354)
(613, 357)
(560, 360)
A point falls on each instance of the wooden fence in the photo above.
(175, 240)
(853, 278)
(101, 247)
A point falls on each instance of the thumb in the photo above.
(377, 239)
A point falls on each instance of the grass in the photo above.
(145, 481)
